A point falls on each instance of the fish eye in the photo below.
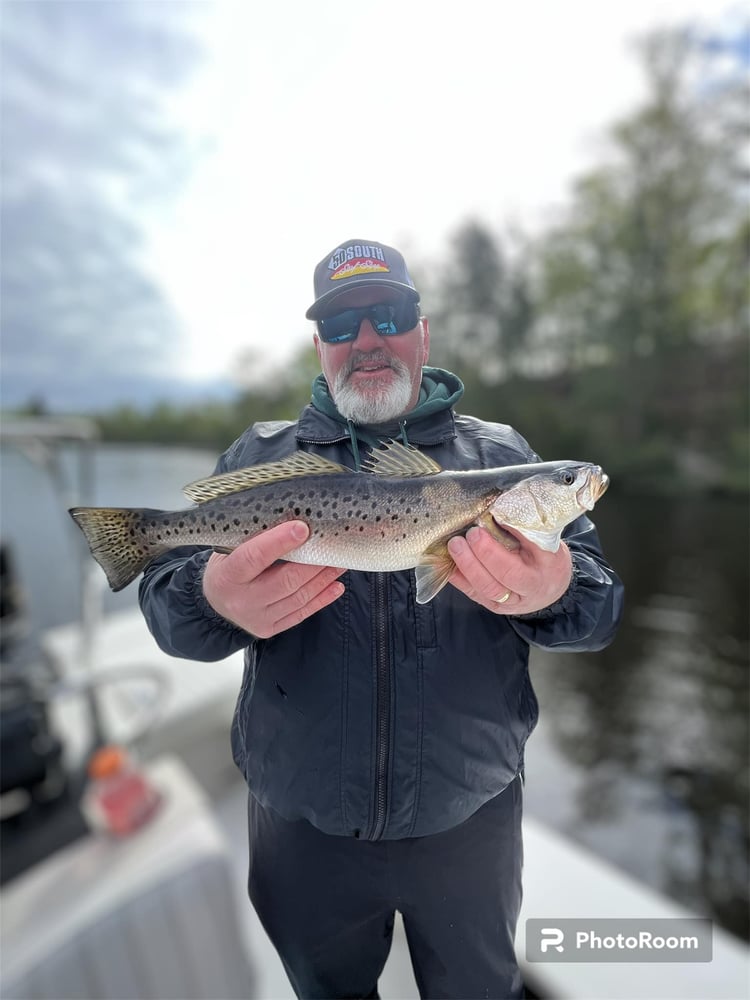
(568, 477)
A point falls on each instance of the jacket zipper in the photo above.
(382, 707)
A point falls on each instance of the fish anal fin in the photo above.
(396, 459)
(299, 463)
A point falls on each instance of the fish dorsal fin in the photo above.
(395, 459)
(299, 463)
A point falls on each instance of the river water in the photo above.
(641, 752)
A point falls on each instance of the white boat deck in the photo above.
(560, 879)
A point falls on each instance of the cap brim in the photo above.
(322, 304)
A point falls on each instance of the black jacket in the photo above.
(379, 717)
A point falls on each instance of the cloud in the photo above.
(86, 145)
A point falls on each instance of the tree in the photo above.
(483, 307)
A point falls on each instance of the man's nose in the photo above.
(368, 337)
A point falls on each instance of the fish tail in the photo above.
(118, 541)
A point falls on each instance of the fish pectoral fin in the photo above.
(432, 573)
(300, 463)
(547, 540)
(396, 459)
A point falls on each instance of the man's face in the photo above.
(374, 379)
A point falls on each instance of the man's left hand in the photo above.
(486, 572)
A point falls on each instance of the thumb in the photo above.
(256, 554)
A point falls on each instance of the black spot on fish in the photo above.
(255, 519)
(237, 522)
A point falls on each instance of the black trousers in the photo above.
(328, 903)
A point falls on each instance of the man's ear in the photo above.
(425, 337)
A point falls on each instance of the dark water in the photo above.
(642, 750)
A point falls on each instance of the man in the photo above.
(382, 740)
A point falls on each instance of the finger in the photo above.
(255, 555)
(319, 601)
(484, 582)
(296, 585)
(508, 607)
(516, 569)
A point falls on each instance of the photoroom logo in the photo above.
(552, 937)
(686, 939)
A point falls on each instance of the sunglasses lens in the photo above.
(387, 319)
(340, 327)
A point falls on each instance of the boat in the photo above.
(163, 912)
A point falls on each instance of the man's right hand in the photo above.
(250, 590)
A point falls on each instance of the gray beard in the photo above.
(373, 406)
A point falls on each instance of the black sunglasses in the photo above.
(387, 319)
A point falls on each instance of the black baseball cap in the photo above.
(355, 264)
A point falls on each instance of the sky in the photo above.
(282, 130)
(329, 121)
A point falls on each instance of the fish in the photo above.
(398, 513)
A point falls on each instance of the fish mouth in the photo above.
(593, 489)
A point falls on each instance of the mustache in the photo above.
(371, 358)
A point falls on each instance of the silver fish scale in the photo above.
(362, 521)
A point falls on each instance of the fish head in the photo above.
(543, 503)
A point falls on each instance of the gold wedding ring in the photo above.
(504, 598)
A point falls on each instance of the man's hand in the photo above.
(249, 590)
(530, 577)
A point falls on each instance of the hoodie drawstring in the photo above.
(355, 445)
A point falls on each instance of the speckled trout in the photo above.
(397, 514)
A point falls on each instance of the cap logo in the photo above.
(347, 262)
